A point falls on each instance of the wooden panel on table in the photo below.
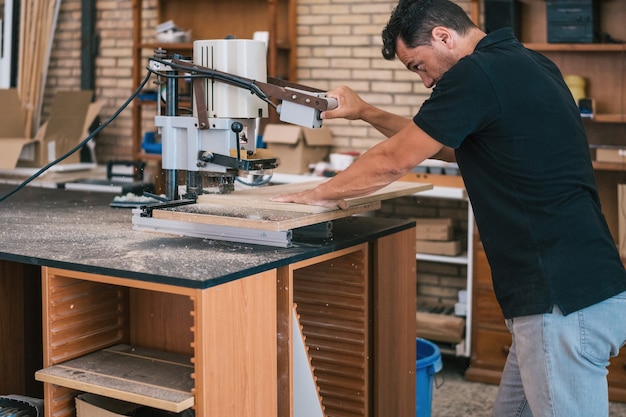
(252, 208)
(252, 217)
(259, 197)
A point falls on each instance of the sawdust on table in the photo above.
(237, 212)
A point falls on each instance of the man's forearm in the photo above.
(385, 122)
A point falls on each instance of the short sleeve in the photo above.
(462, 103)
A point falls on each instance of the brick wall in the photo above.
(338, 43)
(113, 83)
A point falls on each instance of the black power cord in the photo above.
(199, 73)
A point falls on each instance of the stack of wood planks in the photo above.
(437, 323)
(37, 26)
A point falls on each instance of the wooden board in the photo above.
(253, 209)
(259, 197)
(253, 218)
(141, 376)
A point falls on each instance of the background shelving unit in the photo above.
(466, 259)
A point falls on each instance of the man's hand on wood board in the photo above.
(309, 197)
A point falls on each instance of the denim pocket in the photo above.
(601, 334)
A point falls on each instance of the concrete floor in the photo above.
(457, 397)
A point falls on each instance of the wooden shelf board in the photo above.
(576, 47)
(460, 260)
(609, 166)
(607, 118)
(141, 376)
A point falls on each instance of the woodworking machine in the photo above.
(231, 93)
(214, 144)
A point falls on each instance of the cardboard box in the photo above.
(91, 405)
(71, 115)
(433, 228)
(616, 155)
(13, 122)
(436, 247)
(297, 147)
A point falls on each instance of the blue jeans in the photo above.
(557, 364)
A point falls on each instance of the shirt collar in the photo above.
(500, 35)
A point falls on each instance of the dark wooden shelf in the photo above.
(576, 47)
(607, 118)
(609, 166)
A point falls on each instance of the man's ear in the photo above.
(443, 35)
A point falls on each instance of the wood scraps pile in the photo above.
(37, 26)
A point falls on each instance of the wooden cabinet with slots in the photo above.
(601, 66)
(228, 349)
(209, 19)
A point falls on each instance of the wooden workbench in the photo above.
(226, 307)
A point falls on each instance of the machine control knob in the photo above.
(236, 127)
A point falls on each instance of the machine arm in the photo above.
(296, 98)
(275, 88)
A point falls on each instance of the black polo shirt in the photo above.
(523, 154)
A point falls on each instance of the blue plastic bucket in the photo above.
(428, 363)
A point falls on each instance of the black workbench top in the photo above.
(79, 231)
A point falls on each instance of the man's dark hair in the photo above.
(413, 22)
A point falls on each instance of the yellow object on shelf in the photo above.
(576, 84)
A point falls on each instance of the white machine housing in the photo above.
(181, 137)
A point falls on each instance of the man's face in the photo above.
(430, 62)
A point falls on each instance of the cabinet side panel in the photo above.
(11, 328)
(284, 307)
(236, 347)
(395, 303)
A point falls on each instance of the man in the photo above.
(506, 116)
